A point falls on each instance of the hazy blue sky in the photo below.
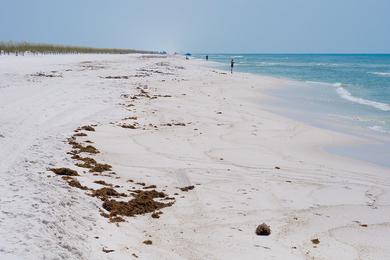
(203, 25)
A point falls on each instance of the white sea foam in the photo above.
(383, 74)
(316, 82)
(348, 96)
(378, 129)
(339, 85)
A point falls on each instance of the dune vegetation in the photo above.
(20, 48)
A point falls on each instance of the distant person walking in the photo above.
(207, 57)
(231, 66)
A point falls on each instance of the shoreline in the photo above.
(365, 104)
(331, 120)
(190, 126)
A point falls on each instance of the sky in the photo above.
(203, 26)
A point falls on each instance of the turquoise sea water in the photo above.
(345, 85)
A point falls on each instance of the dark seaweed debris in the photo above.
(142, 203)
(64, 171)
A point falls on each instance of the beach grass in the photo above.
(23, 47)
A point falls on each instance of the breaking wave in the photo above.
(383, 74)
(344, 93)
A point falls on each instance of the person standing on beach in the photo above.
(207, 57)
(231, 66)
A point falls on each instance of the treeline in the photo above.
(21, 48)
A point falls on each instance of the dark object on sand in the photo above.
(74, 183)
(107, 250)
(142, 203)
(101, 182)
(64, 171)
(156, 214)
(88, 128)
(129, 126)
(187, 188)
(263, 230)
(148, 242)
(277, 167)
(315, 241)
(100, 168)
(80, 134)
(150, 187)
(78, 148)
(106, 192)
(49, 75)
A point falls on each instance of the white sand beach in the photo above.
(185, 124)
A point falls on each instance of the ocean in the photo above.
(349, 87)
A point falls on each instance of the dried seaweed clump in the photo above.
(156, 214)
(129, 126)
(101, 182)
(64, 171)
(174, 124)
(117, 219)
(150, 187)
(142, 203)
(74, 183)
(117, 77)
(107, 250)
(87, 162)
(80, 134)
(88, 149)
(315, 241)
(105, 193)
(88, 128)
(78, 148)
(52, 74)
(188, 188)
(99, 167)
(130, 118)
(91, 164)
